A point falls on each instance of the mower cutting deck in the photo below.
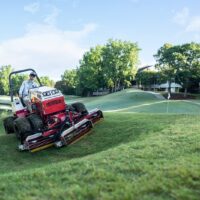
(51, 122)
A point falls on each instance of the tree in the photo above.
(4, 81)
(120, 59)
(187, 64)
(90, 73)
(68, 82)
(109, 66)
(45, 80)
(180, 62)
(147, 78)
(165, 63)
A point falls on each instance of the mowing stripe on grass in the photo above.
(189, 101)
(132, 107)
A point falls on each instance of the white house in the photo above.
(164, 87)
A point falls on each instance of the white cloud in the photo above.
(32, 8)
(181, 17)
(45, 48)
(194, 25)
(187, 21)
(51, 18)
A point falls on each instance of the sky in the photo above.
(52, 35)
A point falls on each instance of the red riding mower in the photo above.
(51, 122)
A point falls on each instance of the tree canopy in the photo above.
(180, 62)
(4, 82)
(45, 80)
(111, 66)
(165, 62)
(120, 59)
(68, 82)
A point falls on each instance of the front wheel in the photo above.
(80, 108)
(22, 128)
(8, 124)
(36, 122)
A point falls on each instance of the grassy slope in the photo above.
(127, 156)
(117, 100)
(139, 102)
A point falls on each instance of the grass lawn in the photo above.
(138, 101)
(144, 154)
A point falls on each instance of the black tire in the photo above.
(22, 128)
(8, 124)
(80, 108)
(36, 122)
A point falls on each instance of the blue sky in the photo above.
(51, 36)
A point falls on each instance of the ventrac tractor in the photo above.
(51, 122)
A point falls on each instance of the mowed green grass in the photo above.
(118, 100)
(137, 101)
(127, 156)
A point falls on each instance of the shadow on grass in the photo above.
(116, 129)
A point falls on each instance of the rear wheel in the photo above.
(36, 122)
(22, 128)
(8, 124)
(80, 108)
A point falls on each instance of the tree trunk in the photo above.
(186, 88)
(185, 92)
(169, 87)
(115, 86)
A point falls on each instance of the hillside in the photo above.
(144, 155)
(138, 101)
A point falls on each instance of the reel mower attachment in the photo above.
(60, 138)
(74, 133)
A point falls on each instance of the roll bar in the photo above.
(17, 72)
